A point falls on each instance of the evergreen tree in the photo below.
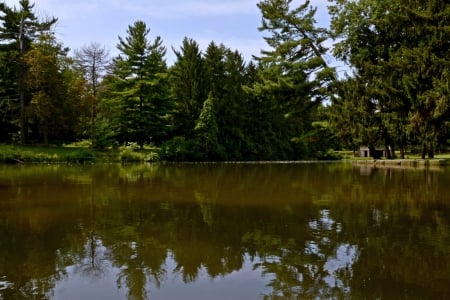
(215, 68)
(232, 106)
(400, 50)
(353, 115)
(188, 82)
(295, 75)
(142, 86)
(19, 28)
(9, 109)
(206, 129)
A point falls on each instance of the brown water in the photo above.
(224, 231)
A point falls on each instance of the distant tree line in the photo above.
(288, 103)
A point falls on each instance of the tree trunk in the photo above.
(387, 150)
(431, 151)
(23, 118)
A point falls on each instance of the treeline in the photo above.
(288, 103)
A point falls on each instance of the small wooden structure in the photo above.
(367, 152)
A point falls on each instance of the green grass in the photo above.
(348, 155)
(17, 154)
(81, 153)
(74, 154)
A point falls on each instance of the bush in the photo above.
(180, 149)
(328, 155)
(131, 156)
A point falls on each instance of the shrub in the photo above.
(328, 155)
(180, 149)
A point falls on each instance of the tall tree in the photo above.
(232, 106)
(57, 98)
(188, 86)
(215, 75)
(9, 114)
(401, 50)
(353, 115)
(93, 61)
(20, 27)
(215, 68)
(142, 86)
(295, 76)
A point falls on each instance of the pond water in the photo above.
(224, 231)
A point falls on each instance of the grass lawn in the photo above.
(77, 153)
(72, 154)
(349, 156)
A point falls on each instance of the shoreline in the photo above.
(403, 163)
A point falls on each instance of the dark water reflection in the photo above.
(272, 231)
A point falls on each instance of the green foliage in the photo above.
(142, 86)
(92, 61)
(55, 110)
(188, 84)
(206, 129)
(212, 105)
(24, 154)
(399, 51)
(130, 155)
(104, 134)
(19, 29)
(181, 149)
(294, 75)
(328, 155)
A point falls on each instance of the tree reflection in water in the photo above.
(270, 231)
(314, 270)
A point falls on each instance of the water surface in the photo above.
(224, 231)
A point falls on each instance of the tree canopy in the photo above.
(212, 104)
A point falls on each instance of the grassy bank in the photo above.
(73, 154)
(349, 155)
(78, 153)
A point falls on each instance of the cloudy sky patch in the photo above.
(231, 22)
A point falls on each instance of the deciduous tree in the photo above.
(57, 98)
(93, 61)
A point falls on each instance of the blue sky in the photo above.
(231, 22)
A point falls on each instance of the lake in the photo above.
(224, 231)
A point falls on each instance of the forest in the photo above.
(288, 103)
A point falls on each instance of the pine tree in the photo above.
(295, 76)
(188, 86)
(20, 27)
(142, 86)
(401, 50)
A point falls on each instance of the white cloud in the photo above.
(177, 9)
(231, 22)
